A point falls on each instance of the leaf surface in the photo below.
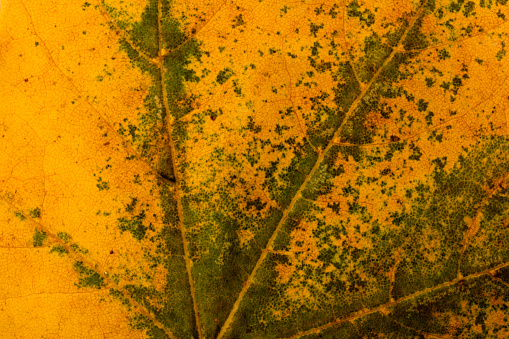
(254, 169)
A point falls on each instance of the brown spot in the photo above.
(461, 285)
(395, 138)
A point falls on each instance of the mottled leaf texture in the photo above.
(254, 169)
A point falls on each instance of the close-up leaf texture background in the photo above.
(254, 169)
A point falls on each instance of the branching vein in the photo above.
(297, 196)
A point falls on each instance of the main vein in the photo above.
(318, 162)
(175, 171)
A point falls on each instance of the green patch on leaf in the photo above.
(88, 277)
(39, 237)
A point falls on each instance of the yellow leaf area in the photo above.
(254, 169)
(77, 212)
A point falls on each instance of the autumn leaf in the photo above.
(254, 169)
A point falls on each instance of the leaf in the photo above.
(188, 169)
